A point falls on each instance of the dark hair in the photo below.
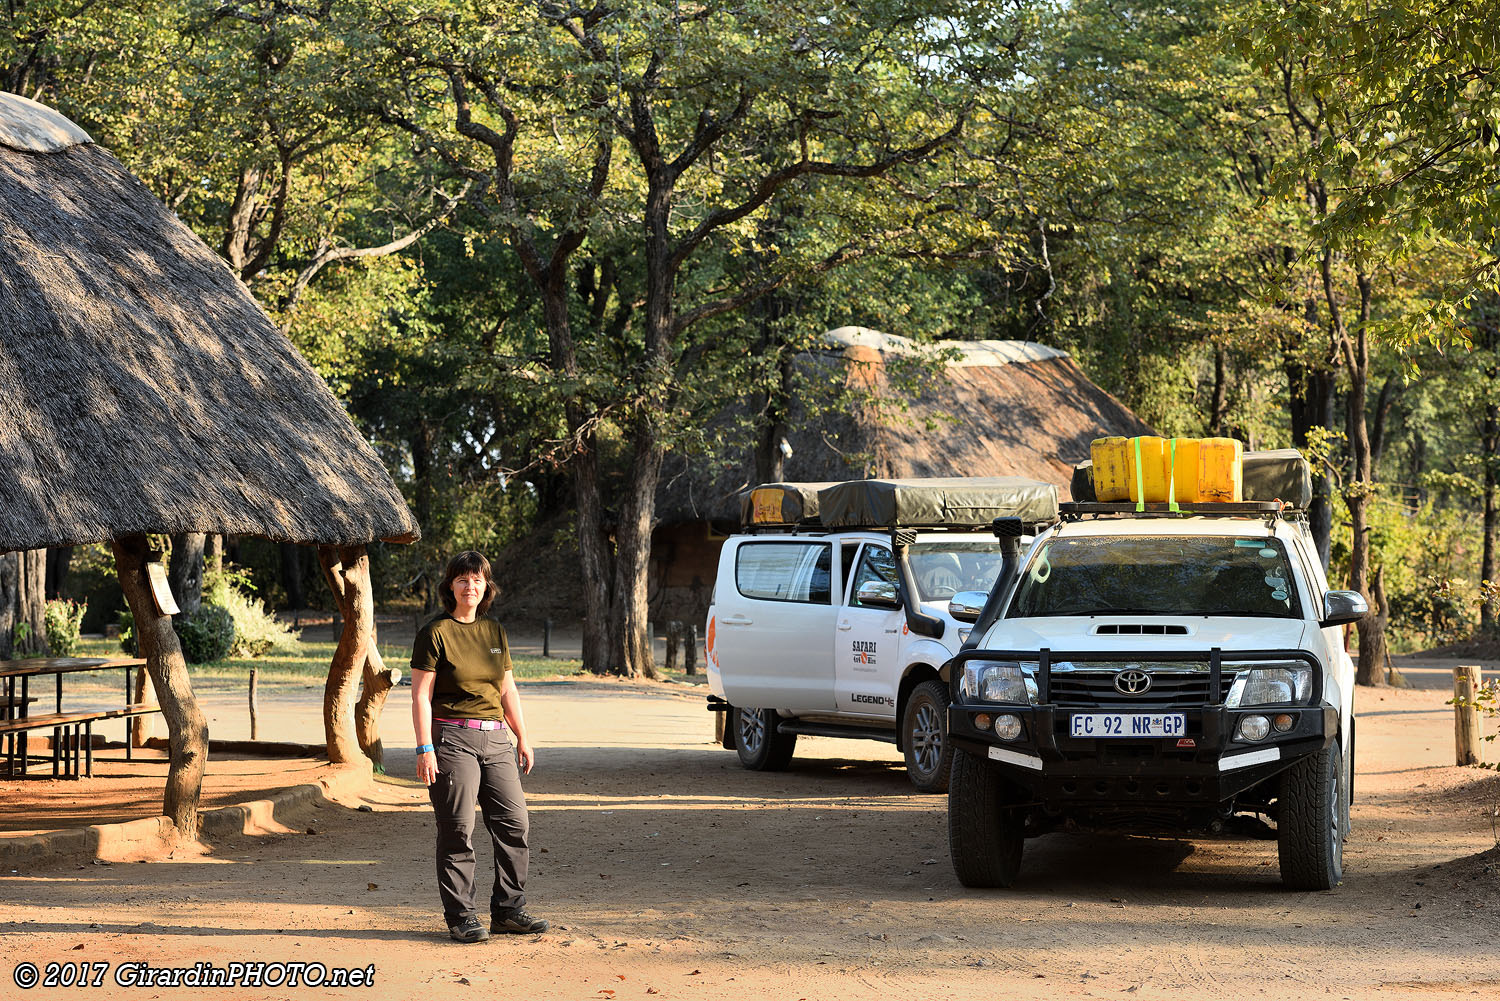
(467, 562)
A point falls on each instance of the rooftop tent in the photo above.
(937, 502)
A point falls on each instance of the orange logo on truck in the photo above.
(708, 643)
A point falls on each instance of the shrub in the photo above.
(127, 633)
(206, 635)
(64, 620)
(256, 631)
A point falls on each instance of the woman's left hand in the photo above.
(525, 756)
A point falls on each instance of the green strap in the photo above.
(1172, 480)
(1140, 486)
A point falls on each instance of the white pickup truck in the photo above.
(831, 616)
(1160, 671)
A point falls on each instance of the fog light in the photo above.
(1007, 727)
(982, 721)
(1284, 722)
(1254, 728)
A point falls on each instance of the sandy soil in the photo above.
(670, 872)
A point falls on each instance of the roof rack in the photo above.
(1073, 510)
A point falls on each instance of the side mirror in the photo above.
(965, 606)
(1343, 606)
(878, 594)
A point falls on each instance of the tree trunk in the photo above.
(594, 557)
(213, 553)
(1490, 446)
(1218, 405)
(348, 568)
(349, 593)
(186, 574)
(291, 574)
(23, 603)
(630, 646)
(59, 561)
(187, 730)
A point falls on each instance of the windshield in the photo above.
(1157, 575)
(942, 569)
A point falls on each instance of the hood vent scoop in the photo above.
(1140, 629)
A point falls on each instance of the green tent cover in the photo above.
(954, 502)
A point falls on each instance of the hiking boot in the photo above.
(468, 930)
(517, 923)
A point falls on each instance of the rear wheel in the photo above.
(985, 828)
(761, 748)
(1312, 820)
(924, 724)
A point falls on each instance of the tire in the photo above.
(924, 737)
(985, 832)
(1312, 821)
(760, 746)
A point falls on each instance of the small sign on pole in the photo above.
(161, 591)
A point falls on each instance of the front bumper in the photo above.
(1205, 766)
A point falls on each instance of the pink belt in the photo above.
(475, 724)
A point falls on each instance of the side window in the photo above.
(875, 563)
(785, 571)
(846, 563)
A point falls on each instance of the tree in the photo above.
(612, 144)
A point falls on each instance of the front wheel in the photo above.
(760, 746)
(985, 829)
(924, 726)
(1312, 821)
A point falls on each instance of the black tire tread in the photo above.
(1309, 860)
(778, 750)
(985, 837)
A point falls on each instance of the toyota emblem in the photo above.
(1133, 682)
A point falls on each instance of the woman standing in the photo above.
(471, 745)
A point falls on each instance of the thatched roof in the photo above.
(142, 389)
(1001, 408)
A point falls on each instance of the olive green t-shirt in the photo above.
(471, 660)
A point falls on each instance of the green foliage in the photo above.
(206, 634)
(254, 631)
(64, 620)
(128, 641)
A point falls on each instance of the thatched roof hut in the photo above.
(142, 388)
(999, 408)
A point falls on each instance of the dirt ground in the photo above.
(670, 872)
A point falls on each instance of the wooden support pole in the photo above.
(674, 632)
(1466, 730)
(690, 643)
(254, 709)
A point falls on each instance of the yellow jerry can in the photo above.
(1221, 470)
(1182, 456)
(1111, 469)
(1147, 475)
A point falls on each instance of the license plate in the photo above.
(1128, 725)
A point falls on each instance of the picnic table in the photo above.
(72, 732)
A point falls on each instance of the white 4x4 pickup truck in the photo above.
(832, 618)
(1157, 672)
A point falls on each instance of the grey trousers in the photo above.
(478, 765)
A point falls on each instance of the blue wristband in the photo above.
(424, 748)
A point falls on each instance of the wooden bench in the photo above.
(72, 732)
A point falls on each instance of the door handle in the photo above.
(738, 620)
(845, 626)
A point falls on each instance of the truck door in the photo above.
(774, 616)
(867, 644)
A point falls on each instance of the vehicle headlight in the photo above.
(1271, 684)
(998, 681)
